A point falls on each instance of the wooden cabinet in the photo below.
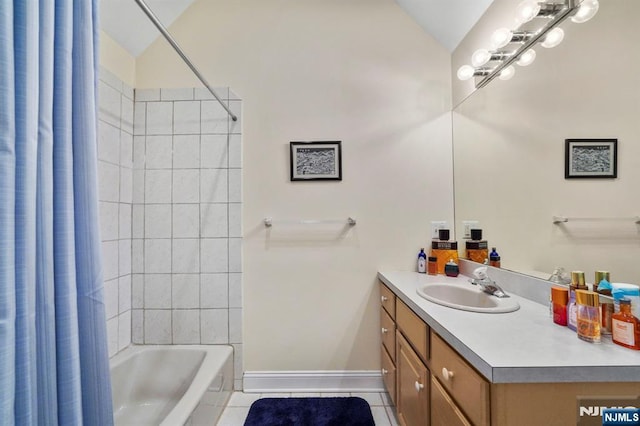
(388, 338)
(412, 385)
(444, 412)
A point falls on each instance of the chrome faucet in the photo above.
(487, 285)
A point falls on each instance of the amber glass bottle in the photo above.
(625, 327)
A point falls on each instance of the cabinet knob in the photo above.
(384, 299)
(384, 330)
(419, 386)
(446, 374)
(384, 371)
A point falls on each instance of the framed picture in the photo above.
(316, 160)
(591, 158)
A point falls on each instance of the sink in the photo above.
(467, 298)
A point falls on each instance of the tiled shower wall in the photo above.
(115, 168)
(186, 220)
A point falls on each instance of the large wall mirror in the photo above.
(509, 153)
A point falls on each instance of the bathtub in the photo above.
(171, 385)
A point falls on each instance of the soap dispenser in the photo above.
(422, 261)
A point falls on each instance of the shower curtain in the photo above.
(54, 366)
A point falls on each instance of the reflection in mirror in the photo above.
(509, 142)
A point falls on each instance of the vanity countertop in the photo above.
(524, 346)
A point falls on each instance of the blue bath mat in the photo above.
(349, 411)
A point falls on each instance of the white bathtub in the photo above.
(171, 385)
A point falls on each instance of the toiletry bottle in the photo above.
(422, 261)
(588, 316)
(599, 276)
(625, 327)
(451, 269)
(494, 258)
(433, 265)
(559, 299)
(577, 283)
(606, 308)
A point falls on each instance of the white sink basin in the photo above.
(467, 298)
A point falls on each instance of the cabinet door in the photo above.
(444, 411)
(412, 386)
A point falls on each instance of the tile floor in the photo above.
(238, 407)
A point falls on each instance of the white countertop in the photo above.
(524, 346)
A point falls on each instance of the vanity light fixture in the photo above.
(510, 46)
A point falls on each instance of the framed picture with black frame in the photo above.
(316, 161)
(591, 158)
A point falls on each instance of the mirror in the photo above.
(509, 153)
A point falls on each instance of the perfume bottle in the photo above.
(577, 283)
(588, 325)
(625, 327)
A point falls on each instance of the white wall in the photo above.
(115, 59)
(358, 71)
(509, 151)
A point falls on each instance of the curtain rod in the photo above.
(179, 51)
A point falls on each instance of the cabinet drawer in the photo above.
(388, 332)
(444, 411)
(413, 328)
(389, 374)
(467, 388)
(388, 300)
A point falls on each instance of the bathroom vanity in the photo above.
(445, 366)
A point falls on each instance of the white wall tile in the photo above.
(126, 122)
(158, 154)
(139, 118)
(157, 256)
(137, 326)
(186, 221)
(235, 219)
(137, 291)
(126, 149)
(157, 327)
(139, 146)
(238, 367)
(214, 152)
(186, 256)
(233, 96)
(235, 151)
(214, 291)
(185, 292)
(235, 185)
(235, 325)
(109, 104)
(185, 327)
(144, 95)
(124, 226)
(157, 221)
(124, 330)
(159, 118)
(108, 182)
(202, 93)
(108, 221)
(214, 326)
(110, 260)
(214, 254)
(214, 118)
(124, 254)
(108, 142)
(137, 256)
(137, 221)
(126, 185)
(214, 220)
(176, 94)
(235, 290)
(186, 186)
(111, 298)
(213, 186)
(235, 255)
(157, 291)
(157, 187)
(137, 195)
(112, 336)
(186, 117)
(186, 151)
(235, 127)
(110, 79)
(127, 91)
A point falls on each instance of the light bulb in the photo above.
(501, 37)
(526, 11)
(553, 38)
(480, 57)
(586, 11)
(507, 73)
(527, 58)
(465, 72)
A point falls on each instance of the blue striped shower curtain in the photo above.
(54, 366)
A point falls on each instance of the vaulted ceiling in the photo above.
(448, 21)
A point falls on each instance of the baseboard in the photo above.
(313, 381)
